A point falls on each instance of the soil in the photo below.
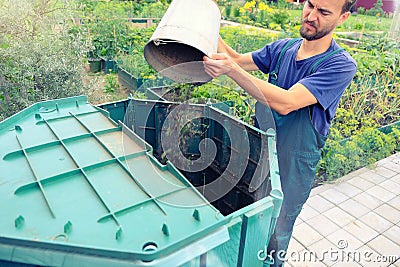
(96, 94)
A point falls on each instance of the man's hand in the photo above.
(281, 100)
(219, 64)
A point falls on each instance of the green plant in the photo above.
(131, 57)
(242, 104)
(136, 65)
(108, 24)
(228, 11)
(111, 83)
(139, 95)
(104, 23)
(37, 63)
(395, 135)
(154, 9)
(362, 149)
(280, 17)
(260, 13)
(361, 11)
(376, 10)
(370, 103)
(236, 11)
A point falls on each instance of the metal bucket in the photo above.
(188, 30)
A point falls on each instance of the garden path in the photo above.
(354, 221)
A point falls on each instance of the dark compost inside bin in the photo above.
(147, 118)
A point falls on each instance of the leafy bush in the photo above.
(355, 140)
(361, 10)
(376, 10)
(131, 58)
(362, 149)
(40, 58)
(236, 11)
(371, 102)
(347, 124)
(263, 14)
(108, 24)
(153, 10)
(111, 83)
(280, 17)
(136, 64)
(228, 11)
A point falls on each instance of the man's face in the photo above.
(320, 18)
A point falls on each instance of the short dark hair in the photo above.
(348, 4)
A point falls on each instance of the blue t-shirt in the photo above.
(327, 83)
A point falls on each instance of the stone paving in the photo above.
(352, 222)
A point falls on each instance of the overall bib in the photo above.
(299, 148)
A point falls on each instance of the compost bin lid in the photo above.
(67, 182)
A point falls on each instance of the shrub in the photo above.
(361, 11)
(228, 11)
(280, 17)
(376, 10)
(40, 57)
(111, 83)
(362, 149)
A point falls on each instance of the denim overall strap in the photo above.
(312, 69)
(273, 75)
(263, 113)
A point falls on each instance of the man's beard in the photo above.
(318, 34)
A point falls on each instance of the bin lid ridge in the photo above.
(72, 179)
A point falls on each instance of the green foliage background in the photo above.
(44, 47)
(40, 54)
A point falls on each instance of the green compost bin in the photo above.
(78, 188)
(148, 117)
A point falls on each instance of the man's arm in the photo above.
(236, 67)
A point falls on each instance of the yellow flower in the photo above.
(250, 5)
(265, 7)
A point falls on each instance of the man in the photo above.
(303, 92)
